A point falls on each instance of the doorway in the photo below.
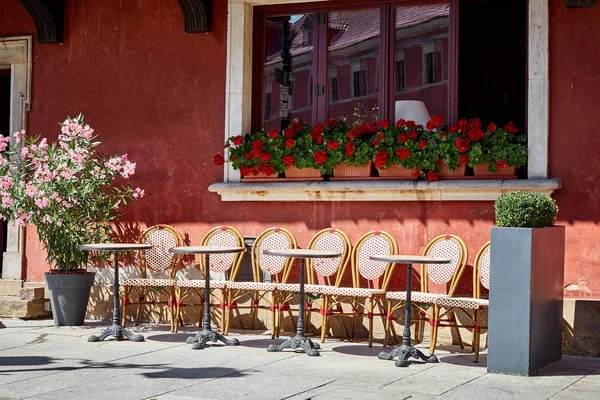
(4, 131)
(493, 61)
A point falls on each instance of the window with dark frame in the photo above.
(349, 38)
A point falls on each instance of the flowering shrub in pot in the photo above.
(450, 146)
(301, 149)
(67, 190)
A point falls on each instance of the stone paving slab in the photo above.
(40, 361)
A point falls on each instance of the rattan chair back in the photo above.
(329, 271)
(158, 260)
(444, 276)
(377, 274)
(223, 263)
(275, 267)
(481, 275)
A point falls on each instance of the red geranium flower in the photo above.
(375, 142)
(288, 160)
(511, 128)
(462, 144)
(403, 153)
(320, 156)
(266, 157)
(384, 124)
(349, 149)
(402, 138)
(381, 158)
(432, 176)
(412, 135)
(422, 144)
(492, 127)
(248, 156)
(435, 122)
(501, 164)
(288, 133)
(238, 140)
(416, 172)
(332, 123)
(400, 123)
(475, 134)
(268, 170)
(333, 145)
(272, 134)
(464, 159)
(289, 143)
(411, 124)
(219, 160)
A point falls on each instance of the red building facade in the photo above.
(157, 93)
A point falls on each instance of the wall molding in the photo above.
(197, 15)
(48, 17)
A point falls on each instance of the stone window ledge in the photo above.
(450, 190)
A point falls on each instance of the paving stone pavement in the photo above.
(41, 361)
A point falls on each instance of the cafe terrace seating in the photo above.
(227, 264)
(437, 281)
(474, 307)
(263, 295)
(320, 272)
(157, 268)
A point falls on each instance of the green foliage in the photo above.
(499, 148)
(525, 210)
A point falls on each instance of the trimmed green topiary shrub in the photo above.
(525, 210)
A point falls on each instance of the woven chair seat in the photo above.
(416, 296)
(348, 291)
(463, 302)
(266, 286)
(145, 282)
(295, 287)
(200, 283)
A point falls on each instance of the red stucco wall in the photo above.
(158, 94)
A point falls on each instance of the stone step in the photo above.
(10, 287)
(13, 307)
(37, 285)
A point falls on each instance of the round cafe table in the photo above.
(405, 350)
(116, 330)
(199, 340)
(300, 340)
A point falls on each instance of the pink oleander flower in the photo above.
(139, 193)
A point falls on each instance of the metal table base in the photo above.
(199, 340)
(298, 341)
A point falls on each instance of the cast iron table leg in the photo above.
(116, 330)
(404, 351)
(207, 334)
(299, 341)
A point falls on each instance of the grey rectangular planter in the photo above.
(526, 299)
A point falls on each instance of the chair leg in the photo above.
(370, 318)
(222, 308)
(255, 299)
(273, 315)
(354, 315)
(455, 331)
(178, 300)
(230, 300)
(126, 290)
(172, 312)
(434, 329)
(140, 306)
(476, 336)
(324, 327)
(388, 322)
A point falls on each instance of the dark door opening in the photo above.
(493, 61)
(4, 131)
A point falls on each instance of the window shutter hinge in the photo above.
(319, 90)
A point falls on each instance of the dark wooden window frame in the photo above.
(387, 67)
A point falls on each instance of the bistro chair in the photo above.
(474, 307)
(263, 292)
(157, 268)
(224, 264)
(370, 280)
(321, 272)
(437, 280)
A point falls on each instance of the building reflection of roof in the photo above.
(354, 26)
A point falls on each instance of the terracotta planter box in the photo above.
(446, 172)
(261, 177)
(353, 171)
(483, 171)
(293, 172)
(396, 172)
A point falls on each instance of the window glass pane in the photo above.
(421, 57)
(353, 69)
(288, 71)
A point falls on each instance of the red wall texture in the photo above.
(158, 94)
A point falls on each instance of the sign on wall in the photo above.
(580, 3)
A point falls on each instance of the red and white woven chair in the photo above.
(157, 269)
(370, 280)
(320, 272)
(263, 295)
(437, 281)
(226, 265)
(473, 307)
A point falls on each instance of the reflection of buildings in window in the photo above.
(268, 99)
(333, 94)
(400, 76)
(433, 67)
(359, 81)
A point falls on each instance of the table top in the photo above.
(404, 259)
(302, 253)
(206, 250)
(115, 246)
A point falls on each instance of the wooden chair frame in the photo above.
(314, 302)
(186, 289)
(364, 304)
(268, 291)
(425, 309)
(143, 285)
(474, 308)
